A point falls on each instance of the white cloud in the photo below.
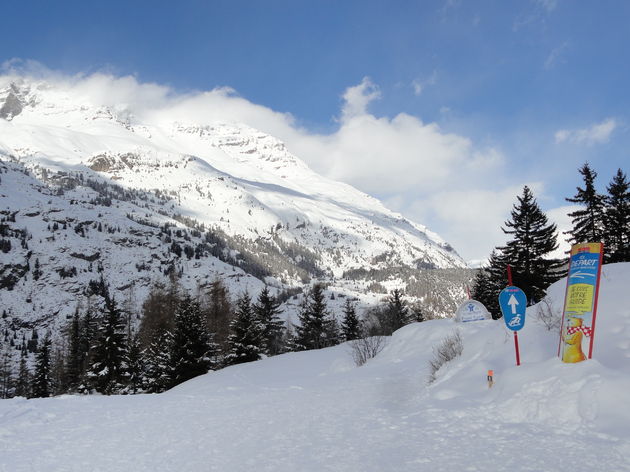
(548, 5)
(535, 14)
(594, 134)
(418, 85)
(470, 218)
(30, 68)
(380, 155)
(419, 168)
(357, 98)
(555, 55)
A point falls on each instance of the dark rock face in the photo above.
(112, 163)
(86, 257)
(101, 163)
(10, 274)
(11, 107)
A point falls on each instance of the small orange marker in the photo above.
(490, 378)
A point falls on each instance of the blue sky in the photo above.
(501, 93)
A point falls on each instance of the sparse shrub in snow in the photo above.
(366, 348)
(546, 314)
(450, 348)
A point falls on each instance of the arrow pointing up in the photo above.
(513, 302)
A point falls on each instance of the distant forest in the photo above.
(180, 337)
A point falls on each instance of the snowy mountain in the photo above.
(315, 410)
(90, 191)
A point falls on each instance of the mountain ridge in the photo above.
(211, 182)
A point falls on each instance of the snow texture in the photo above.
(316, 411)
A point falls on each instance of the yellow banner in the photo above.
(580, 298)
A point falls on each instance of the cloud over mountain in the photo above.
(399, 159)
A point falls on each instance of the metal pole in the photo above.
(518, 355)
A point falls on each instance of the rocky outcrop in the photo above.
(11, 107)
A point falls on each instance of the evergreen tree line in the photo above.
(602, 217)
(599, 218)
(181, 337)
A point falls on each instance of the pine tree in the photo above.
(107, 373)
(22, 385)
(397, 311)
(333, 331)
(219, 313)
(417, 313)
(316, 323)
(156, 361)
(246, 343)
(267, 309)
(37, 271)
(88, 334)
(533, 239)
(192, 349)
(489, 282)
(158, 312)
(42, 384)
(134, 364)
(59, 380)
(588, 221)
(6, 373)
(351, 325)
(74, 356)
(289, 342)
(33, 343)
(617, 223)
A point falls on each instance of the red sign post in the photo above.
(518, 353)
(513, 303)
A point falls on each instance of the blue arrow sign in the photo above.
(513, 303)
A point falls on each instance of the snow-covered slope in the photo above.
(103, 169)
(226, 174)
(314, 411)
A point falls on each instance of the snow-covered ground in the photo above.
(315, 411)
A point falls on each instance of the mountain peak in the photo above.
(242, 204)
(13, 99)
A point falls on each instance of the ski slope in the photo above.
(316, 411)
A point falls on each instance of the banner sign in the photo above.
(513, 303)
(580, 302)
(472, 310)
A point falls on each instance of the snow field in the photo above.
(316, 411)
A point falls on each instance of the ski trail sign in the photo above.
(513, 303)
(580, 302)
